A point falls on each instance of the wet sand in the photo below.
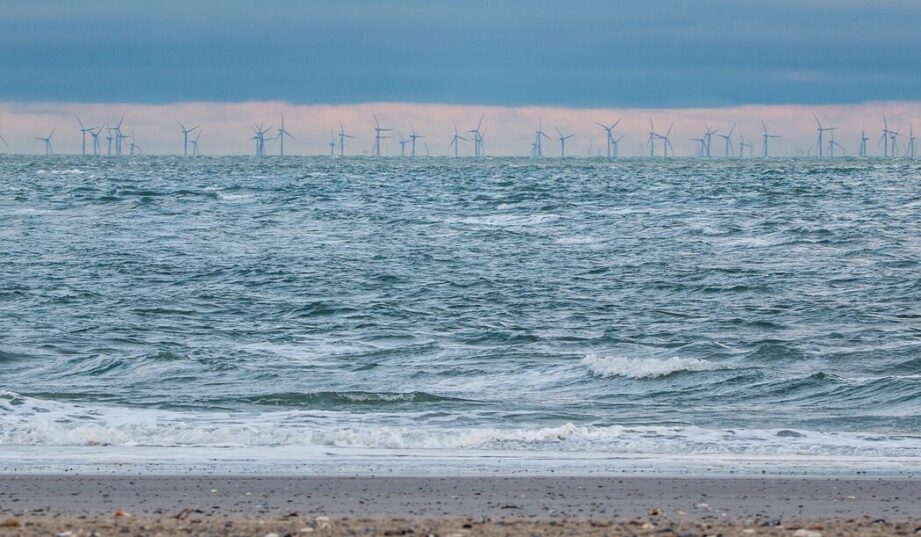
(228, 505)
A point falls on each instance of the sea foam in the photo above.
(645, 368)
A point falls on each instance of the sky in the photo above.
(496, 57)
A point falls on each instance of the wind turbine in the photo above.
(537, 146)
(884, 138)
(765, 136)
(377, 136)
(893, 135)
(727, 138)
(185, 137)
(48, 149)
(403, 143)
(912, 148)
(563, 139)
(701, 145)
(83, 131)
(413, 137)
(109, 140)
(832, 144)
(666, 142)
(609, 137)
(95, 135)
(281, 135)
(455, 140)
(133, 148)
(118, 136)
(708, 135)
(332, 144)
(259, 137)
(743, 146)
(863, 144)
(194, 143)
(342, 137)
(821, 130)
(2, 139)
(477, 138)
(652, 139)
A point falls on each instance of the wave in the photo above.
(27, 421)
(329, 398)
(646, 368)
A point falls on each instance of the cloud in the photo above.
(509, 130)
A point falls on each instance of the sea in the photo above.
(460, 316)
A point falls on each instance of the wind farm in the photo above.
(780, 140)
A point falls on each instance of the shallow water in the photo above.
(685, 307)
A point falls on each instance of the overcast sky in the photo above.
(591, 53)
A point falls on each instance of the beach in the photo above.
(232, 505)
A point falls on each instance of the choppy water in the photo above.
(664, 307)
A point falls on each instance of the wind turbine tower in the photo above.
(83, 131)
(765, 136)
(727, 138)
(185, 137)
(281, 136)
(413, 137)
(539, 135)
(48, 148)
(403, 142)
(455, 140)
(609, 137)
(563, 139)
(342, 137)
(477, 139)
(863, 144)
(332, 144)
(378, 136)
(708, 136)
(822, 130)
(194, 143)
(2, 139)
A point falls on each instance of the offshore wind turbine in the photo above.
(708, 137)
(651, 141)
(2, 139)
(539, 135)
(413, 137)
(117, 129)
(95, 135)
(281, 136)
(832, 144)
(765, 136)
(743, 146)
(403, 142)
(83, 131)
(455, 140)
(884, 138)
(259, 137)
(727, 138)
(609, 136)
(563, 139)
(378, 136)
(863, 144)
(332, 144)
(342, 137)
(912, 149)
(194, 143)
(185, 137)
(701, 144)
(893, 136)
(48, 148)
(666, 142)
(821, 130)
(133, 148)
(477, 139)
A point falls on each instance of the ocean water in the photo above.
(465, 310)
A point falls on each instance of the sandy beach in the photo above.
(227, 505)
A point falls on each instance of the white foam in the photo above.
(645, 368)
(27, 421)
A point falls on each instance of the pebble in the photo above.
(802, 532)
(9, 523)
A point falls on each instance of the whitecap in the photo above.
(645, 368)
